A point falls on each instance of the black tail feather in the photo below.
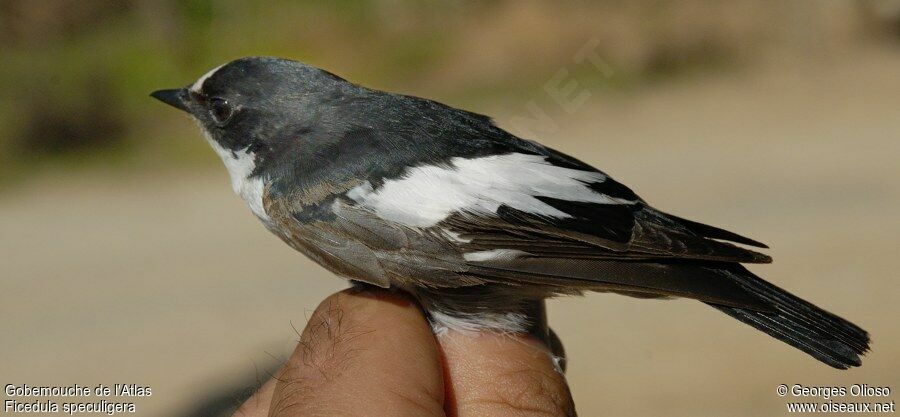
(822, 335)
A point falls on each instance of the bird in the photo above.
(476, 224)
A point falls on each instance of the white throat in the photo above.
(240, 165)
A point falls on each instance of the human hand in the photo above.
(373, 353)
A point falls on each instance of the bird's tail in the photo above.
(822, 335)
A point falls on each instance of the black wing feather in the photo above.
(601, 231)
(681, 280)
(712, 232)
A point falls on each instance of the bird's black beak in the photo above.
(176, 97)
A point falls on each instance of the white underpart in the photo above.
(198, 85)
(425, 195)
(240, 165)
(505, 322)
(494, 255)
(557, 363)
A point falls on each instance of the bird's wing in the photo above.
(517, 219)
(529, 203)
(355, 242)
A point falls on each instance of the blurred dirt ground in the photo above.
(165, 279)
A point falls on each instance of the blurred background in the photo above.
(125, 258)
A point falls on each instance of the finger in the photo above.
(258, 403)
(362, 354)
(497, 374)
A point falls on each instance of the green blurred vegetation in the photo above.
(75, 74)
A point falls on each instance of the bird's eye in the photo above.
(220, 110)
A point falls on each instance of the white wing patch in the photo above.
(494, 255)
(425, 195)
(456, 237)
(240, 165)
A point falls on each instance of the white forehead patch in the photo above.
(199, 83)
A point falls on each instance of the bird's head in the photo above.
(252, 108)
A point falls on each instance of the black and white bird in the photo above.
(475, 223)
